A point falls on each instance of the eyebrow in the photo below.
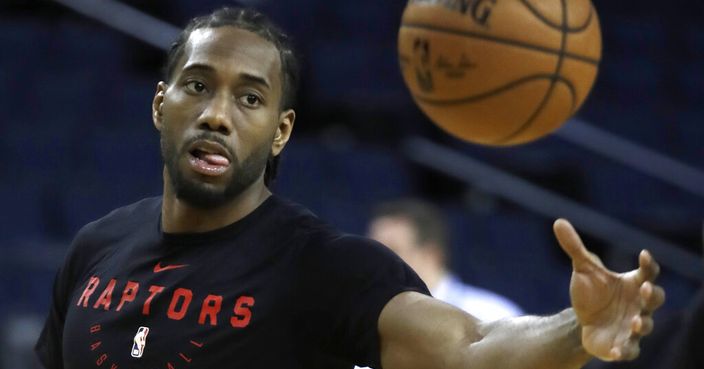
(250, 77)
(198, 66)
(255, 79)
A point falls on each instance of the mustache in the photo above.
(209, 136)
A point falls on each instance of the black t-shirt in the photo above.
(277, 289)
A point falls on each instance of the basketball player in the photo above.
(416, 231)
(223, 274)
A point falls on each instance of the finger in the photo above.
(641, 325)
(582, 259)
(648, 268)
(615, 354)
(628, 351)
(652, 296)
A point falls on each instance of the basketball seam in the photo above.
(491, 93)
(551, 88)
(545, 20)
(504, 41)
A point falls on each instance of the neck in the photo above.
(180, 217)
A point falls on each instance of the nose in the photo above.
(216, 116)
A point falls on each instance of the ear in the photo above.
(283, 131)
(158, 103)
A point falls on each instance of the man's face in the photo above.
(219, 116)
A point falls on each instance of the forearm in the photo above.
(528, 342)
(419, 332)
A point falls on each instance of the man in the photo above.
(224, 274)
(416, 231)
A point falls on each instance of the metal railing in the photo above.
(542, 201)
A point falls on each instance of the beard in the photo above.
(201, 194)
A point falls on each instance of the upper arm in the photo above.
(350, 280)
(49, 345)
(418, 331)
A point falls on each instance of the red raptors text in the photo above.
(181, 300)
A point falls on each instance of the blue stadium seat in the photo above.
(635, 80)
(65, 98)
(690, 78)
(23, 209)
(28, 40)
(694, 36)
(637, 198)
(689, 134)
(347, 215)
(27, 273)
(517, 256)
(93, 194)
(546, 155)
(337, 71)
(645, 124)
(302, 175)
(25, 41)
(33, 148)
(370, 175)
(131, 103)
(355, 73)
(312, 171)
(96, 47)
(341, 185)
(368, 20)
(635, 36)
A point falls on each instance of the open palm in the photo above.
(614, 309)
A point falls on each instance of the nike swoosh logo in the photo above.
(158, 268)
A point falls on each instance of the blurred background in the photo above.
(77, 141)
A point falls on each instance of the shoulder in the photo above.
(318, 233)
(301, 225)
(326, 252)
(97, 238)
(120, 222)
(357, 249)
(354, 262)
(324, 243)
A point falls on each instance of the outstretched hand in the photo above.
(614, 309)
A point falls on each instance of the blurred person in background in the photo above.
(417, 231)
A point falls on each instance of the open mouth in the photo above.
(208, 158)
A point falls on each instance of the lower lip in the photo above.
(203, 167)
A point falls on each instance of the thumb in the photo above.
(571, 243)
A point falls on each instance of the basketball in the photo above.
(499, 72)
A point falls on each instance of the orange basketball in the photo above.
(499, 72)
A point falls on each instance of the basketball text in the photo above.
(478, 10)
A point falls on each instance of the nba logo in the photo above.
(140, 341)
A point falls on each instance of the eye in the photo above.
(195, 87)
(251, 100)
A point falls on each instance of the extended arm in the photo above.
(447, 337)
(611, 312)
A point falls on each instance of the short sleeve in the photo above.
(49, 345)
(355, 278)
